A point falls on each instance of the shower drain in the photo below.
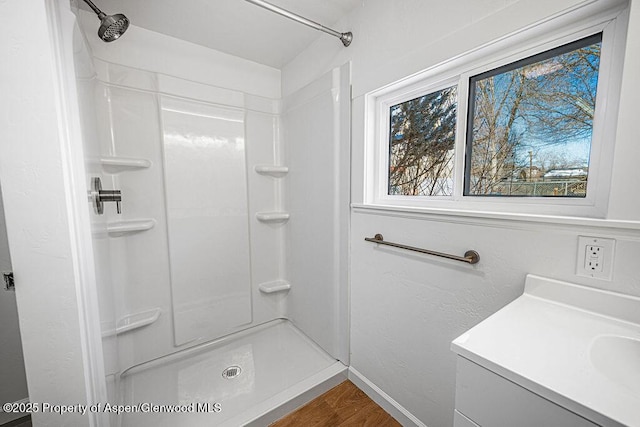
(231, 372)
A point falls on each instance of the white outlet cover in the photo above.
(608, 247)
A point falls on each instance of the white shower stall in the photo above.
(223, 278)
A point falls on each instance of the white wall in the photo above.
(406, 308)
(39, 184)
(625, 204)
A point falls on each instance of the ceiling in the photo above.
(235, 26)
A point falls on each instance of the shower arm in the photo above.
(345, 38)
(101, 14)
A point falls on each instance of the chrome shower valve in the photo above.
(99, 196)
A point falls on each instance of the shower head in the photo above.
(111, 26)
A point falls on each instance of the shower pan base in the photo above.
(249, 378)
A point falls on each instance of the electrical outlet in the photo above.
(595, 257)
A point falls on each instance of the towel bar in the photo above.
(471, 257)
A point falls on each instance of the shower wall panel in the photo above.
(137, 260)
(155, 285)
(316, 138)
(90, 93)
(207, 212)
(192, 277)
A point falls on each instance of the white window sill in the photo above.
(474, 216)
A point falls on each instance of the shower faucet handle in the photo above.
(111, 196)
(100, 196)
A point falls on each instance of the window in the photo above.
(524, 125)
(530, 124)
(421, 142)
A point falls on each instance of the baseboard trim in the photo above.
(397, 411)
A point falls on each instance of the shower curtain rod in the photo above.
(345, 38)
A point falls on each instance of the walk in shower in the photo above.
(221, 272)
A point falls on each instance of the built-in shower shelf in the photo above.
(272, 216)
(120, 164)
(272, 170)
(130, 226)
(134, 321)
(275, 286)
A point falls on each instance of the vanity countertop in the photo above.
(574, 345)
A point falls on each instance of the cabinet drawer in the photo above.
(490, 400)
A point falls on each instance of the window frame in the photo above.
(457, 72)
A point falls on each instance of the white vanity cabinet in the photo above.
(561, 355)
(483, 398)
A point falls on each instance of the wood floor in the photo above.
(342, 406)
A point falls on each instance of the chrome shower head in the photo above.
(112, 26)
